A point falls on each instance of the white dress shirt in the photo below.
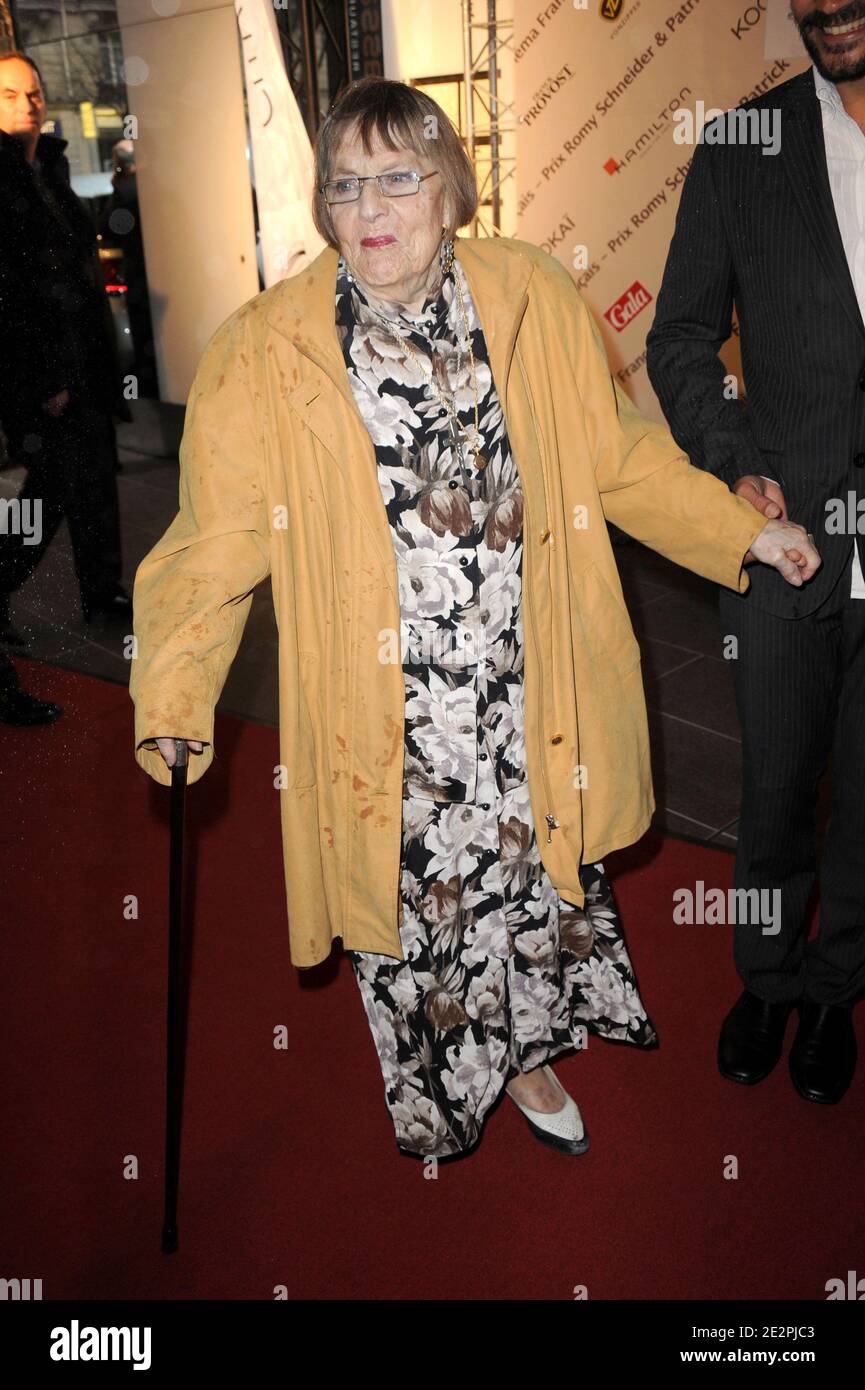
(845, 156)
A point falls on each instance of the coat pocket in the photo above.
(603, 622)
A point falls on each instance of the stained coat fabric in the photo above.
(278, 477)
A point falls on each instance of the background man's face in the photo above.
(22, 103)
(834, 35)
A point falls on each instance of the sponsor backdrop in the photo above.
(611, 96)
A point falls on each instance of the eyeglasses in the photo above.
(398, 184)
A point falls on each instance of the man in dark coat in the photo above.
(59, 381)
(775, 226)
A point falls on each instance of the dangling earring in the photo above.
(446, 252)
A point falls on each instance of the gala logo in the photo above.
(625, 309)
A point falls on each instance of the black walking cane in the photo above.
(174, 1071)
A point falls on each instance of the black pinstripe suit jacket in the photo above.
(759, 231)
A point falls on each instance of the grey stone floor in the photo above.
(696, 749)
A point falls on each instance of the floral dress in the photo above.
(500, 974)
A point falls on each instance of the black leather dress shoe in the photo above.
(752, 1038)
(823, 1055)
(17, 707)
(116, 605)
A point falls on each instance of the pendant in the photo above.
(480, 461)
(457, 435)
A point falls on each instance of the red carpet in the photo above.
(290, 1172)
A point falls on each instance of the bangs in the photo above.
(395, 116)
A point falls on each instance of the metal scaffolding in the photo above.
(316, 50)
(489, 120)
(326, 44)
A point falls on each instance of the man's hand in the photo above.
(789, 549)
(57, 404)
(763, 494)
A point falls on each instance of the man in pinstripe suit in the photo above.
(782, 236)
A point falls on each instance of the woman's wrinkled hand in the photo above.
(789, 549)
(169, 752)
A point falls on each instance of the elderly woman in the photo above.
(419, 440)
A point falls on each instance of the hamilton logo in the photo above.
(611, 9)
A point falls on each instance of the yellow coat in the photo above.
(278, 476)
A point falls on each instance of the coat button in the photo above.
(557, 738)
(463, 559)
(485, 805)
(483, 757)
(859, 461)
(545, 536)
(453, 483)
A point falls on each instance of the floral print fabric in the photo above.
(500, 973)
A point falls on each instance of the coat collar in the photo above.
(302, 311)
(302, 308)
(49, 148)
(803, 159)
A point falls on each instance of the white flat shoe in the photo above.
(561, 1129)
